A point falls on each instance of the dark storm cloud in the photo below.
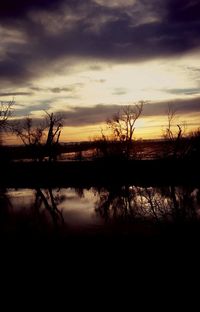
(119, 91)
(54, 90)
(15, 93)
(14, 69)
(70, 88)
(59, 90)
(181, 106)
(184, 10)
(83, 116)
(19, 8)
(183, 91)
(95, 67)
(27, 110)
(55, 31)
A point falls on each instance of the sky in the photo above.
(85, 59)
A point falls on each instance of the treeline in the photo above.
(41, 138)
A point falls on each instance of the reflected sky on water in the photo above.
(76, 205)
(99, 208)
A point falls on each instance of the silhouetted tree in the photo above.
(29, 134)
(171, 135)
(5, 112)
(53, 135)
(42, 139)
(122, 125)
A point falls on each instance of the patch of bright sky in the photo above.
(91, 83)
(117, 84)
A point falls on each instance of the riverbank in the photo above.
(99, 173)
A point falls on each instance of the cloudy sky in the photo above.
(87, 58)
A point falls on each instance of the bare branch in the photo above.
(28, 133)
(122, 124)
(5, 112)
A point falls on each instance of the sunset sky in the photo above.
(87, 58)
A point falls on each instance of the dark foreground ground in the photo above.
(107, 267)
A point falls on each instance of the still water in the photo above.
(122, 209)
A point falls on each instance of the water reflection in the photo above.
(58, 208)
(97, 208)
(172, 203)
(49, 200)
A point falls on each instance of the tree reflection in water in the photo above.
(168, 204)
(49, 199)
(133, 207)
(34, 215)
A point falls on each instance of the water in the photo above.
(125, 209)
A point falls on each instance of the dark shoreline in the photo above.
(100, 173)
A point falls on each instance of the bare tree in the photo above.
(53, 135)
(5, 112)
(29, 134)
(122, 124)
(43, 138)
(170, 134)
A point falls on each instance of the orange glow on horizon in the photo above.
(146, 128)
